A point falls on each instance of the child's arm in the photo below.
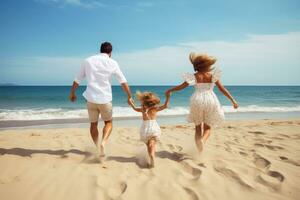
(177, 88)
(166, 104)
(131, 103)
(226, 93)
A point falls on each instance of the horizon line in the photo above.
(16, 85)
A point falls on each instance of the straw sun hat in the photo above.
(201, 60)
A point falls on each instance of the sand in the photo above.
(242, 160)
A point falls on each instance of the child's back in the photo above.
(150, 131)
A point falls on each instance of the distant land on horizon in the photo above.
(10, 84)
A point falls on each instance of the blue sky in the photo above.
(256, 42)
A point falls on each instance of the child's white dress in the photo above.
(149, 129)
(204, 104)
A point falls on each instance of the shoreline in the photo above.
(134, 120)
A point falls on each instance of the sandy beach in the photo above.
(242, 160)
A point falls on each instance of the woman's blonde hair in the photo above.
(148, 99)
(202, 62)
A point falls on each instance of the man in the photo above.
(98, 70)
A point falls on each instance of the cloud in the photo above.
(140, 6)
(257, 60)
(78, 3)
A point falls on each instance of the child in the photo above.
(150, 130)
(205, 108)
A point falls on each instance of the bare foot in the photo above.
(102, 152)
(200, 145)
(151, 164)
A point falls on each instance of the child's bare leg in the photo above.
(206, 132)
(198, 137)
(151, 150)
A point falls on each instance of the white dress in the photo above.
(204, 104)
(149, 129)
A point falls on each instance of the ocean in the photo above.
(34, 103)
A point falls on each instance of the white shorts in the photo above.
(94, 110)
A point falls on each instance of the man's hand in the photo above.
(72, 97)
(130, 101)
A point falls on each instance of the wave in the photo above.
(60, 113)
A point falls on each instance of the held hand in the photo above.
(168, 93)
(235, 105)
(130, 101)
(72, 97)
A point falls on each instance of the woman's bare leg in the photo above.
(198, 137)
(151, 150)
(206, 132)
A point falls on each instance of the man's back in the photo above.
(98, 70)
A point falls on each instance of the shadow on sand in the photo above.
(28, 152)
(90, 157)
(160, 154)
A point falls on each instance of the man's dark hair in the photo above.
(106, 47)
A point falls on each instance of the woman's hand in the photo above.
(235, 105)
(168, 93)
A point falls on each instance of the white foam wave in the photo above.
(45, 114)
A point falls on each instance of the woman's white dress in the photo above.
(204, 104)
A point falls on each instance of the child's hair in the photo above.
(147, 99)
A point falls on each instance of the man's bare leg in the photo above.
(94, 132)
(105, 135)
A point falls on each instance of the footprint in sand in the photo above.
(261, 162)
(283, 158)
(271, 179)
(233, 175)
(174, 147)
(194, 172)
(276, 175)
(116, 192)
(202, 165)
(287, 160)
(191, 193)
(257, 132)
(243, 153)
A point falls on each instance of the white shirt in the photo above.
(98, 70)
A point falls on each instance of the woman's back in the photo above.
(203, 77)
